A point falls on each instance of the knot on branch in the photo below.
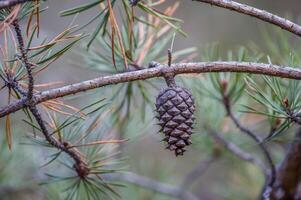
(80, 166)
(167, 73)
(82, 169)
(153, 64)
(10, 82)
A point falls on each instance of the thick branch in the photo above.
(10, 3)
(156, 186)
(183, 68)
(257, 13)
(288, 179)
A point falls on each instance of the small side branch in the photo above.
(25, 61)
(80, 165)
(257, 13)
(235, 150)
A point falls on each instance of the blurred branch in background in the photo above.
(24, 193)
(257, 13)
(10, 3)
(235, 150)
(176, 192)
(272, 173)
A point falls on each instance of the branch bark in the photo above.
(25, 61)
(257, 13)
(288, 180)
(159, 71)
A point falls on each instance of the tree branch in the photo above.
(25, 61)
(288, 180)
(156, 186)
(159, 71)
(257, 13)
(10, 3)
(80, 165)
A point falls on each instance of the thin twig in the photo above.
(169, 53)
(25, 61)
(257, 13)
(158, 71)
(80, 165)
(156, 186)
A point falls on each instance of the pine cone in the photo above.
(175, 107)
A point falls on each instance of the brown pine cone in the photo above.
(175, 107)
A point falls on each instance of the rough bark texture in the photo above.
(159, 71)
(288, 181)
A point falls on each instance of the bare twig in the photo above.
(25, 61)
(156, 186)
(169, 53)
(159, 71)
(257, 13)
(10, 3)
